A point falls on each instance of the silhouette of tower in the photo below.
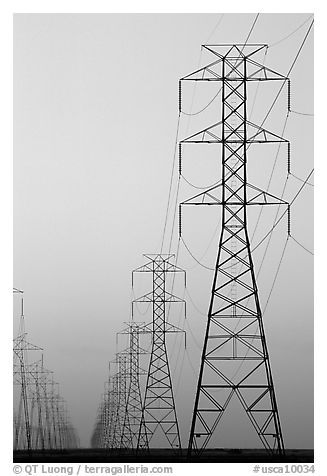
(101, 437)
(23, 437)
(158, 410)
(235, 358)
(120, 394)
(133, 410)
(41, 421)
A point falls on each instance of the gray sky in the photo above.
(95, 117)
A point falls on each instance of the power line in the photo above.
(216, 26)
(195, 259)
(196, 186)
(301, 113)
(270, 236)
(300, 49)
(193, 336)
(290, 34)
(282, 215)
(301, 180)
(193, 93)
(302, 246)
(207, 248)
(271, 173)
(288, 73)
(275, 278)
(190, 362)
(252, 27)
(301, 188)
(194, 305)
(171, 183)
(180, 374)
(174, 217)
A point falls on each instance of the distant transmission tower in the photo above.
(106, 415)
(158, 411)
(101, 437)
(133, 410)
(235, 358)
(120, 393)
(41, 421)
(23, 437)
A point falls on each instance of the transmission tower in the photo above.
(105, 415)
(45, 383)
(53, 401)
(158, 410)
(109, 413)
(133, 410)
(41, 421)
(98, 435)
(20, 348)
(120, 391)
(37, 398)
(41, 379)
(235, 357)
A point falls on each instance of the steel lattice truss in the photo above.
(41, 420)
(106, 417)
(158, 411)
(102, 434)
(119, 415)
(235, 359)
(22, 433)
(120, 400)
(133, 409)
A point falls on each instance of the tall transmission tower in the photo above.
(133, 410)
(21, 377)
(158, 410)
(235, 358)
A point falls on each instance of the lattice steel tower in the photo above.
(158, 410)
(133, 409)
(23, 436)
(120, 394)
(235, 358)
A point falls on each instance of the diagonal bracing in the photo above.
(158, 410)
(235, 360)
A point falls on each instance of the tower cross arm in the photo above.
(255, 196)
(165, 297)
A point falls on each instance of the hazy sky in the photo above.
(95, 118)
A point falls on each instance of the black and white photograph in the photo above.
(163, 242)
